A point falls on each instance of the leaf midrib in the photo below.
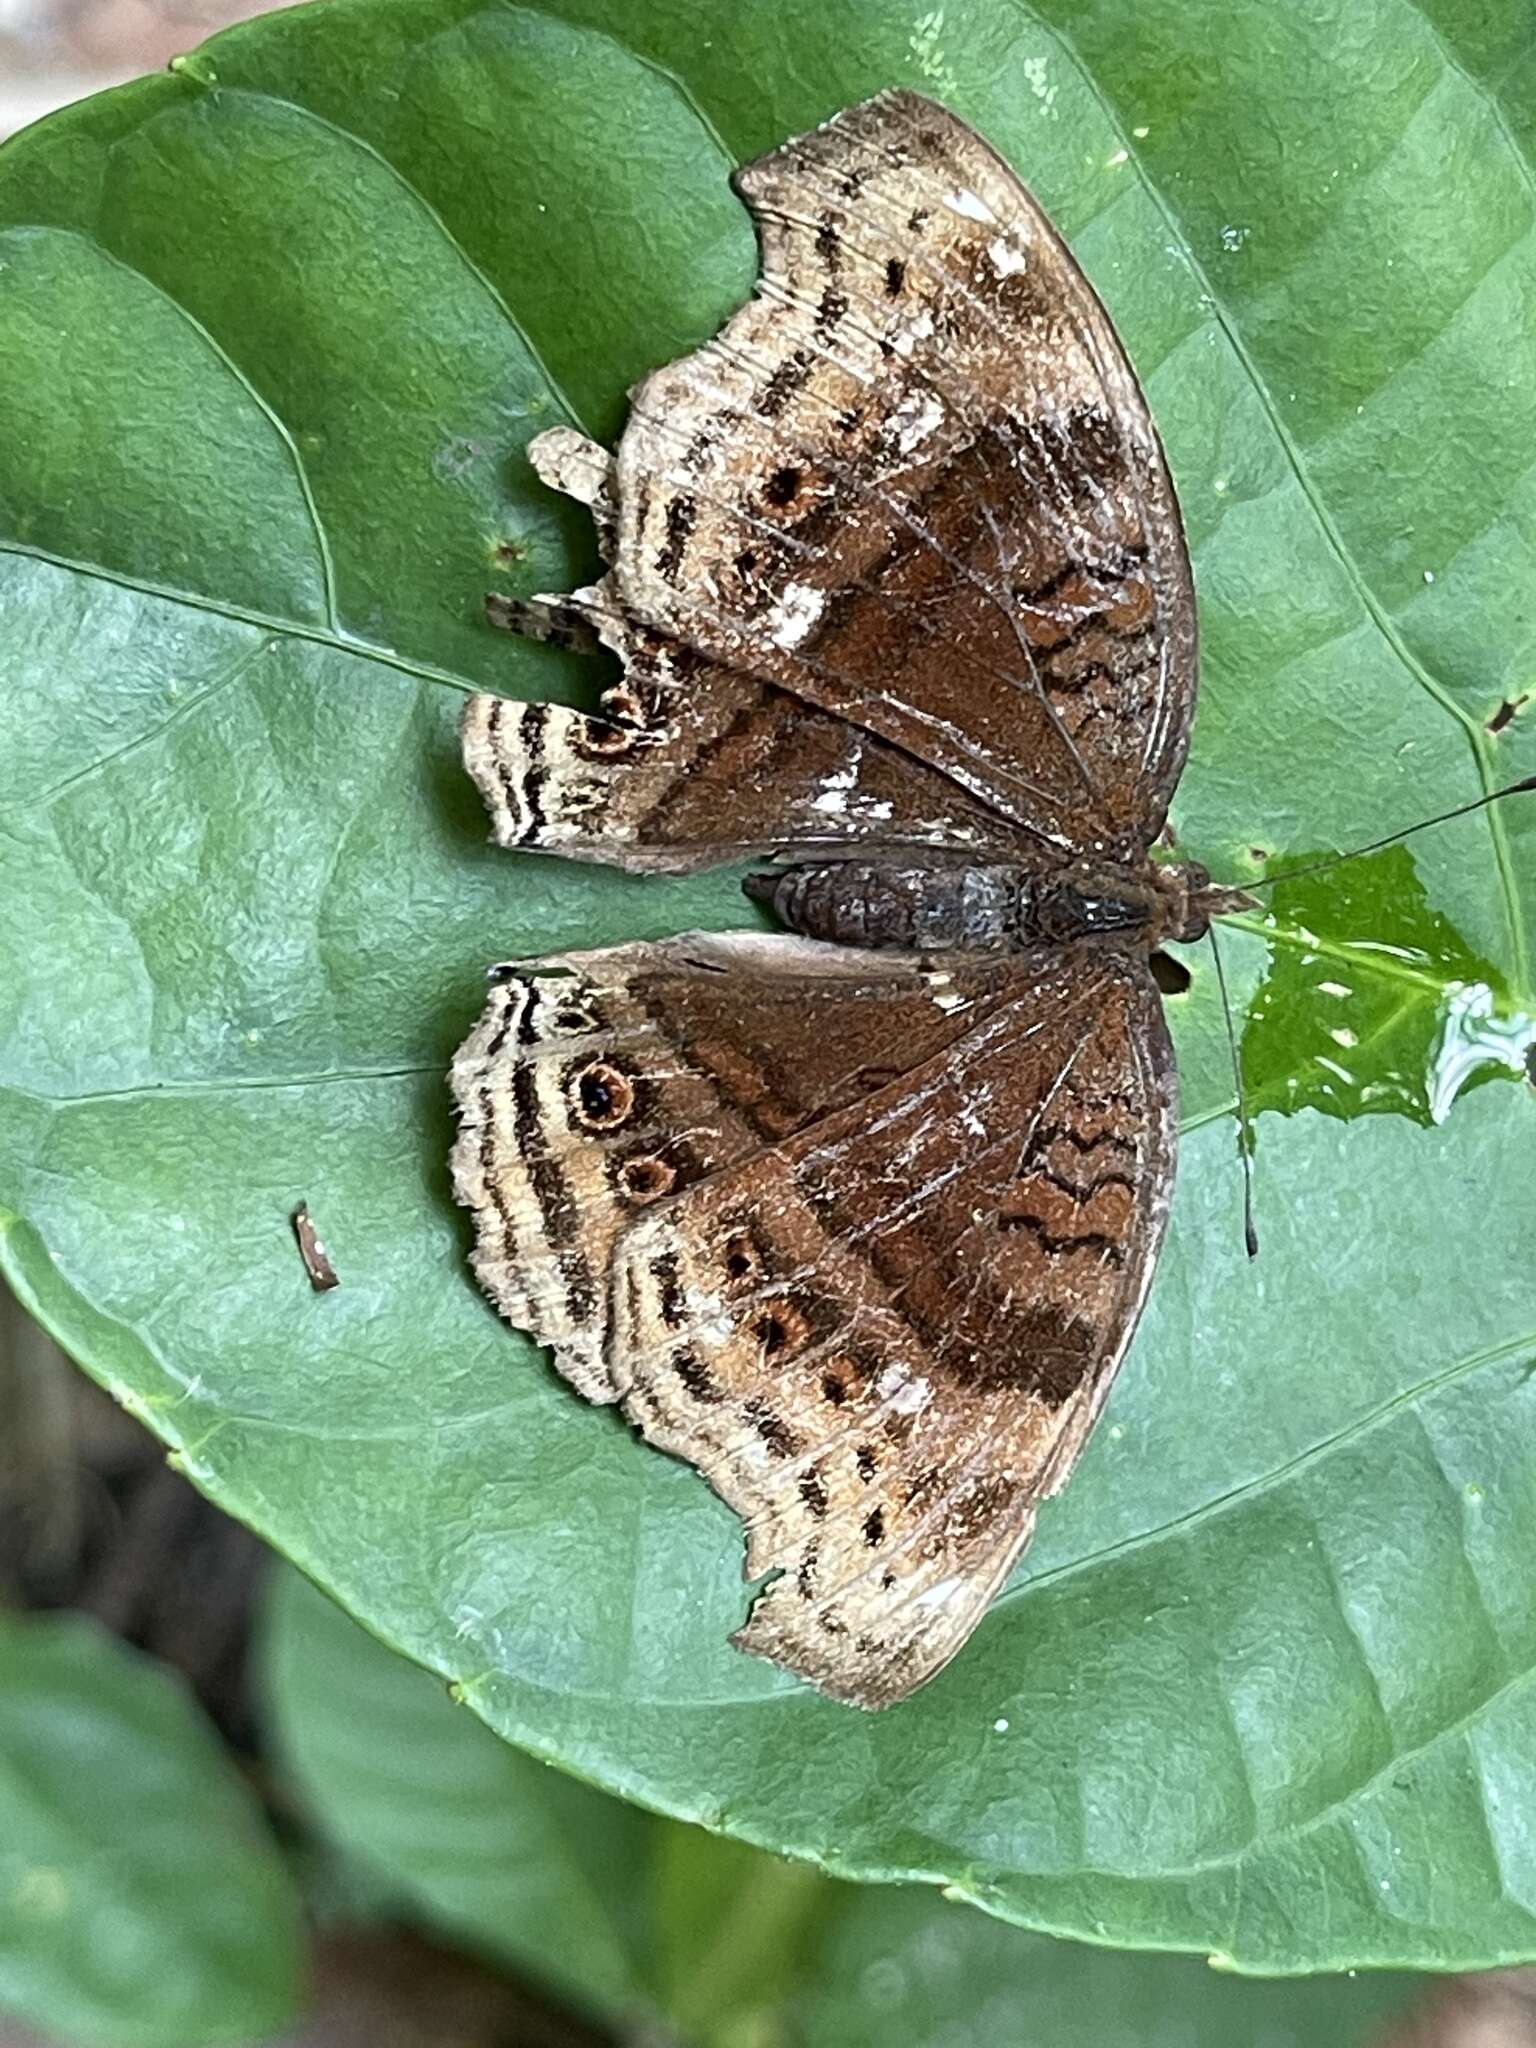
(1255, 1487)
(1357, 1426)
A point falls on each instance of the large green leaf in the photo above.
(273, 331)
(731, 1948)
(142, 1901)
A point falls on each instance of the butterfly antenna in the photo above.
(1332, 860)
(1244, 1126)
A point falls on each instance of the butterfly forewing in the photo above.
(914, 480)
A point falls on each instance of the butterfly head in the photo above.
(1190, 899)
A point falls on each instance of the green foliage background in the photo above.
(143, 1903)
(273, 332)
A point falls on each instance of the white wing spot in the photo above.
(905, 339)
(834, 797)
(795, 614)
(904, 1394)
(918, 414)
(946, 997)
(1005, 259)
(972, 205)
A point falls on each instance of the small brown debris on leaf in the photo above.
(317, 1260)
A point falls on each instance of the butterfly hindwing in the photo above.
(880, 1345)
(576, 1111)
(691, 763)
(695, 765)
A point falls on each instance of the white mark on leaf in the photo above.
(926, 54)
(1045, 93)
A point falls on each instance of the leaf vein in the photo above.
(291, 629)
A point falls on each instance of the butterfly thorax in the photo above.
(951, 906)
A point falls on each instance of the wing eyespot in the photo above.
(782, 1330)
(647, 1177)
(601, 1096)
(574, 1021)
(741, 1258)
(602, 742)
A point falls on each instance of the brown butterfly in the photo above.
(858, 1218)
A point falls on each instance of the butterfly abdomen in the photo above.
(951, 907)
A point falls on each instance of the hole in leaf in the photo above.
(1171, 975)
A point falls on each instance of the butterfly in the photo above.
(858, 1215)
